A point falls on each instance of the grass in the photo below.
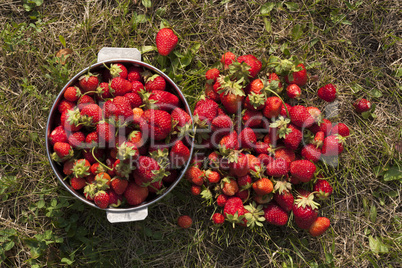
(355, 44)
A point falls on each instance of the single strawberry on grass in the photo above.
(362, 105)
(322, 189)
(166, 41)
(319, 226)
(218, 219)
(327, 93)
(184, 221)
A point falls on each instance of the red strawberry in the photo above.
(68, 167)
(120, 86)
(115, 200)
(293, 138)
(155, 82)
(212, 75)
(78, 183)
(156, 124)
(63, 150)
(293, 91)
(315, 113)
(122, 107)
(137, 86)
(285, 153)
(166, 41)
(211, 94)
(322, 189)
(262, 147)
(253, 62)
(179, 154)
(231, 94)
(299, 78)
(218, 218)
(119, 185)
(103, 91)
(222, 124)
(88, 82)
(180, 118)
(340, 129)
(284, 111)
(319, 226)
(146, 167)
(229, 142)
(325, 126)
(212, 176)
(195, 175)
(305, 211)
(195, 189)
(57, 134)
(91, 114)
(134, 99)
(135, 194)
(278, 168)
(263, 186)
(76, 139)
(247, 138)
(272, 107)
(221, 200)
(234, 210)
(65, 105)
(164, 100)
(332, 146)
(311, 152)
(252, 119)
(300, 116)
(256, 86)
(72, 93)
(327, 93)
(283, 195)
(184, 221)
(229, 186)
(239, 167)
(362, 105)
(275, 215)
(227, 59)
(101, 199)
(106, 132)
(118, 70)
(85, 100)
(302, 170)
(134, 73)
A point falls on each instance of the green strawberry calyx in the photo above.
(303, 201)
(254, 215)
(282, 186)
(80, 169)
(230, 87)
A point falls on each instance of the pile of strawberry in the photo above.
(258, 150)
(118, 135)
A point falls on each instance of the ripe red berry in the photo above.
(184, 221)
(166, 41)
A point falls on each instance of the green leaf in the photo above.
(376, 93)
(267, 24)
(398, 73)
(62, 40)
(9, 245)
(145, 49)
(146, 3)
(297, 32)
(373, 213)
(67, 261)
(267, 8)
(356, 87)
(377, 246)
(313, 42)
(141, 18)
(393, 173)
(292, 6)
(41, 203)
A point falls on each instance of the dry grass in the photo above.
(360, 55)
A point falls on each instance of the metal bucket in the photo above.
(107, 56)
